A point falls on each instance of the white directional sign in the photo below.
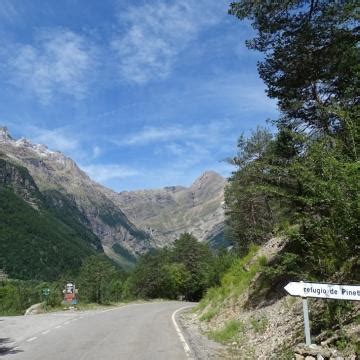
(325, 291)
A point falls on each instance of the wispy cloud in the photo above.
(183, 148)
(209, 132)
(60, 139)
(151, 134)
(105, 172)
(8, 11)
(157, 33)
(58, 62)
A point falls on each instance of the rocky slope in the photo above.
(61, 180)
(127, 223)
(166, 213)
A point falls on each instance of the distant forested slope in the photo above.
(39, 240)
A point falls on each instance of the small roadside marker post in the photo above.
(324, 291)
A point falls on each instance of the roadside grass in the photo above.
(234, 283)
(230, 331)
(207, 316)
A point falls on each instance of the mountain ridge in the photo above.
(128, 223)
(166, 213)
(53, 171)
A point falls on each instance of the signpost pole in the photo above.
(306, 321)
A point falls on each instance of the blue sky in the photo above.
(141, 94)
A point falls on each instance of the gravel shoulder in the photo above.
(201, 346)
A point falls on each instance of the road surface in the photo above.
(134, 332)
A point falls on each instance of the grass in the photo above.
(229, 332)
(207, 316)
(234, 283)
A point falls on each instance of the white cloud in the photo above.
(102, 173)
(151, 134)
(209, 132)
(58, 62)
(157, 33)
(58, 139)
(175, 149)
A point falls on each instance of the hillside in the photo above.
(253, 317)
(37, 241)
(65, 186)
(166, 213)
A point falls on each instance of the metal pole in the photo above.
(306, 321)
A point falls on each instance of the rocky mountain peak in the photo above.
(166, 213)
(4, 134)
(208, 177)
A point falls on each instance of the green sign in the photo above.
(46, 291)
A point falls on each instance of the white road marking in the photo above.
(58, 327)
(66, 323)
(120, 307)
(45, 332)
(31, 339)
(112, 309)
(181, 336)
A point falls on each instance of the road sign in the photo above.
(46, 291)
(324, 291)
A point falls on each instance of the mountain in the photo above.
(123, 225)
(166, 213)
(36, 240)
(64, 185)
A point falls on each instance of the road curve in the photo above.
(134, 332)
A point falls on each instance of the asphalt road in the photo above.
(134, 332)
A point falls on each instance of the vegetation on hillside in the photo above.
(304, 180)
(37, 239)
(186, 269)
(36, 245)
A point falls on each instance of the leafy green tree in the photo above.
(174, 281)
(198, 261)
(305, 180)
(187, 268)
(96, 280)
(148, 277)
(311, 64)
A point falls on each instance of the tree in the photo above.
(186, 268)
(247, 206)
(150, 275)
(311, 62)
(307, 174)
(198, 261)
(95, 279)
